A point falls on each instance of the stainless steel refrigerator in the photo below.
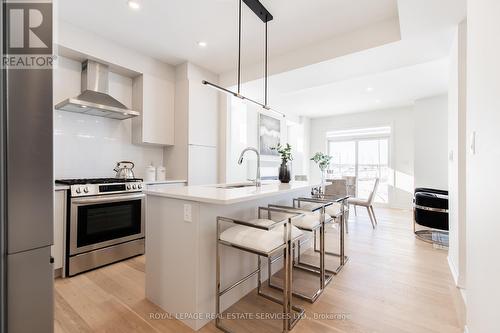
(26, 188)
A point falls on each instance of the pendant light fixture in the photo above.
(265, 16)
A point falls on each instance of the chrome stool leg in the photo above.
(325, 275)
(217, 279)
(324, 278)
(342, 257)
(291, 313)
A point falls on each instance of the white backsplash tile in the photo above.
(89, 146)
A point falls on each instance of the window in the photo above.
(364, 154)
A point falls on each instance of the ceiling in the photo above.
(324, 54)
(414, 67)
(394, 88)
(169, 30)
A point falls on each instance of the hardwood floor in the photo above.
(392, 283)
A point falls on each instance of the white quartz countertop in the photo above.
(214, 194)
(168, 181)
(59, 187)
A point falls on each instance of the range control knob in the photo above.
(129, 187)
(78, 190)
(139, 186)
(86, 189)
(134, 186)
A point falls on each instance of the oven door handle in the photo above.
(107, 198)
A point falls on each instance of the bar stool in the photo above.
(263, 237)
(338, 211)
(314, 218)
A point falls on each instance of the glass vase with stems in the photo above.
(323, 162)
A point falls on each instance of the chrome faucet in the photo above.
(257, 178)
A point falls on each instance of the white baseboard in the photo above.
(464, 295)
(453, 270)
(454, 274)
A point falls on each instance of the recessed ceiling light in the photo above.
(369, 89)
(202, 44)
(134, 4)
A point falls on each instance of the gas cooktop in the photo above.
(98, 186)
(84, 181)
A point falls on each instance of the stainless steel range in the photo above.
(105, 222)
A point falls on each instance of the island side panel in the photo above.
(171, 256)
(235, 264)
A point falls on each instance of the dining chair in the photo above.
(351, 185)
(338, 187)
(367, 203)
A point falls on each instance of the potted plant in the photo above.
(323, 161)
(285, 153)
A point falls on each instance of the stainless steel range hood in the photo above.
(94, 99)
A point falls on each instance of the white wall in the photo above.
(243, 120)
(431, 142)
(457, 156)
(401, 121)
(243, 132)
(483, 119)
(76, 39)
(89, 146)
(299, 135)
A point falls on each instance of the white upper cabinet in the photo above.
(154, 98)
(203, 114)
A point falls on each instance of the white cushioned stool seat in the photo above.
(310, 220)
(257, 239)
(333, 210)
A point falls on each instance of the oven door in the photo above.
(106, 220)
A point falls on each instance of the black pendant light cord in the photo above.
(265, 73)
(239, 49)
(265, 16)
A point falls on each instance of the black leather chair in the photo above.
(430, 210)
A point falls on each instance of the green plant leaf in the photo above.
(285, 152)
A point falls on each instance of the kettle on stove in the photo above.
(124, 170)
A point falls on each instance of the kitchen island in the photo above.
(181, 243)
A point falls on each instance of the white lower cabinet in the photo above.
(57, 250)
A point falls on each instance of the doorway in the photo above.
(364, 157)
